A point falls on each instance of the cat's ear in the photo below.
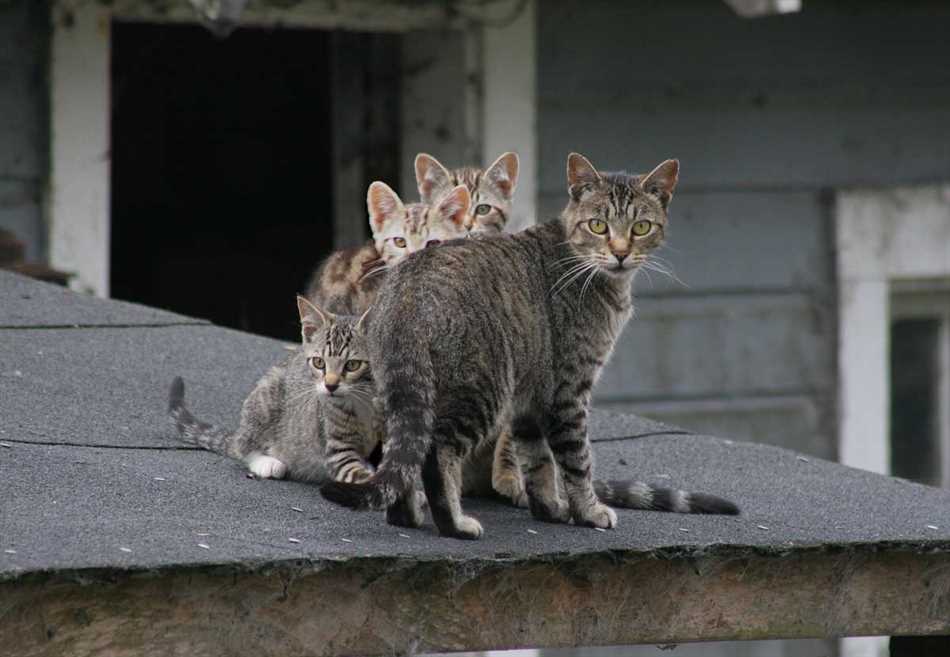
(359, 323)
(503, 174)
(312, 318)
(431, 177)
(383, 205)
(580, 172)
(454, 206)
(662, 181)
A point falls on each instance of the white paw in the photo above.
(598, 515)
(468, 527)
(266, 467)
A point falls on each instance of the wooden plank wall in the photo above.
(767, 116)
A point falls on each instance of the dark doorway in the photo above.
(221, 170)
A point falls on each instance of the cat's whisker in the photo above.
(662, 268)
(576, 272)
(570, 275)
(375, 271)
(573, 258)
(593, 274)
(645, 273)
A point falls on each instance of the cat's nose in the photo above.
(331, 382)
(620, 248)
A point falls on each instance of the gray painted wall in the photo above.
(766, 116)
(23, 121)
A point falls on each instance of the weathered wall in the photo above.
(767, 116)
(23, 121)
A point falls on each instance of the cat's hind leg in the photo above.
(540, 472)
(506, 477)
(407, 510)
(265, 467)
(442, 478)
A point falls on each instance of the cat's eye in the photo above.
(597, 226)
(433, 243)
(482, 209)
(400, 242)
(317, 362)
(642, 227)
(353, 365)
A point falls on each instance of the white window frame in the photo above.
(884, 236)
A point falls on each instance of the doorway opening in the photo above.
(920, 381)
(223, 161)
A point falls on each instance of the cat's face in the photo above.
(399, 230)
(614, 220)
(336, 351)
(490, 189)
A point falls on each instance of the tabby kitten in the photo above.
(348, 279)
(491, 189)
(518, 341)
(311, 418)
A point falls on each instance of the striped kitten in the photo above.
(491, 189)
(348, 279)
(311, 418)
(518, 341)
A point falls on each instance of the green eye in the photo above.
(317, 363)
(353, 365)
(400, 242)
(642, 227)
(597, 226)
(482, 209)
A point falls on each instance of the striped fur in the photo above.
(491, 189)
(310, 418)
(517, 330)
(348, 280)
(639, 495)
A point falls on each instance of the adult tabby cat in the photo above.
(311, 418)
(490, 189)
(348, 279)
(518, 340)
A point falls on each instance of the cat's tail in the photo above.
(408, 394)
(628, 494)
(191, 430)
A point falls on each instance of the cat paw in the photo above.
(521, 500)
(549, 511)
(405, 513)
(597, 515)
(266, 467)
(512, 488)
(359, 475)
(466, 528)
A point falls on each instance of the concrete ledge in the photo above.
(384, 606)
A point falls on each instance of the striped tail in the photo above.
(408, 395)
(628, 494)
(191, 430)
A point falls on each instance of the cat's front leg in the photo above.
(568, 439)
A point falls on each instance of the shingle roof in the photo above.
(94, 485)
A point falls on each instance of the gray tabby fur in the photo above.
(301, 420)
(518, 340)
